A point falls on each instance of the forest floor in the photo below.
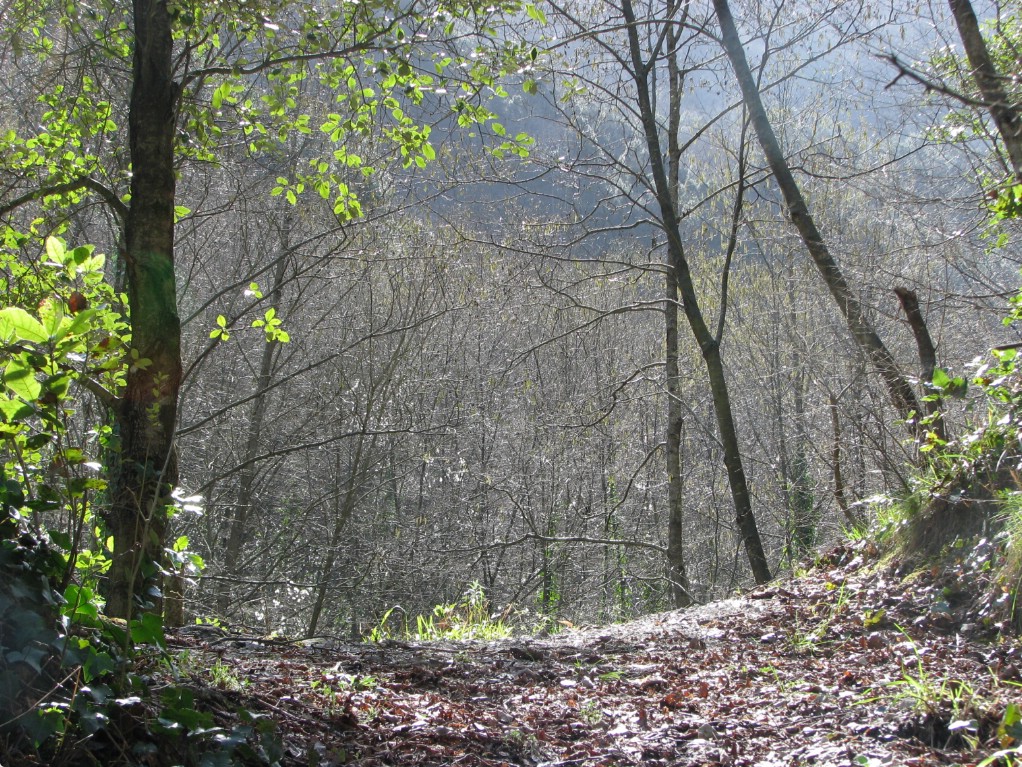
(853, 663)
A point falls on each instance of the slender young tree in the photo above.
(641, 69)
(676, 571)
(900, 391)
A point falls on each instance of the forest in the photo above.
(351, 320)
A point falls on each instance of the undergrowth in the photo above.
(74, 685)
(467, 618)
(73, 682)
(963, 507)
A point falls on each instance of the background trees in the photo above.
(388, 384)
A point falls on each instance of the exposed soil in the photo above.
(852, 664)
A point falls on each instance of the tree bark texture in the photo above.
(927, 353)
(1006, 117)
(676, 571)
(144, 469)
(708, 344)
(898, 388)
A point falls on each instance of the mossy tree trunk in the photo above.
(144, 469)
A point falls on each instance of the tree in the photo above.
(900, 392)
(984, 81)
(651, 44)
(989, 81)
(144, 466)
(183, 54)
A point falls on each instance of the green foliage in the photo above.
(803, 515)
(1009, 737)
(1002, 38)
(810, 642)
(65, 669)
(989, 447)
(927, 694)
(257, 77)
(468, 618)
(65, 679)
(62, 340)
(223, 677)
(967, 124)
(271, 325)
(1006, 203)
(590, 712)
(336, 685)
(64, 354)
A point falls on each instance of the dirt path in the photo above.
(846, 666)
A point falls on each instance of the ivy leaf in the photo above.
(148, 630)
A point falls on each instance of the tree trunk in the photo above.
(927, 355)
(855, 520)
(708, 344)
(676, 572)
(239, 525)
(344, 507)
(899, 390)
(1006, 116)
(144, 466)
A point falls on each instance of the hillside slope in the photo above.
(851, 664)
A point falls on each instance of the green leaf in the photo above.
(81, 253)
(1009, 731)
(18, 325)
(14, 410)
(148, 630)
(52, 315)
(80, 603)
(535, 13)
(82, 322)
(21, 380)
(55, 250)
